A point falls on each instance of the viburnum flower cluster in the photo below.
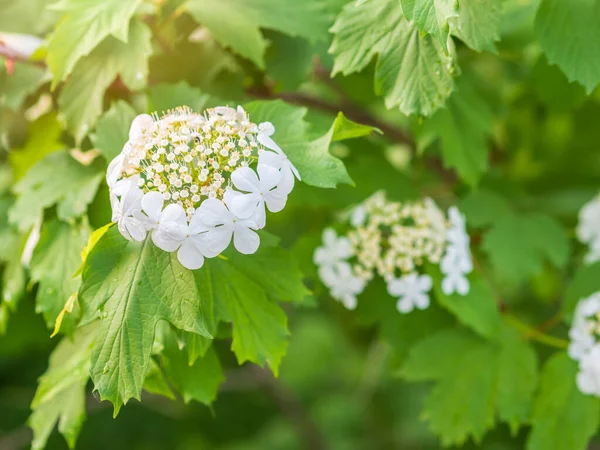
(585, 344)
(197, 181)
(588, 229)
(395, 240)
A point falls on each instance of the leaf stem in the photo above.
(532, 333)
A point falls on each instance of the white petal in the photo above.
(196, 226)
(421, 301)
(140, 123)
(425, 283)
(269, 177)
(260, 215)
(448, 285)
(218, 238)
(404, 305)
(349, 301)
(164, 240)
(132, 200)
(213, 212)
(135, 228)
(266, 128)
(245, 240)
(286, 184)
(245, 179)
(244, 206)
(587, 383)
(271, 159)
(266, 141)
(190, 256)
(276, 200)
(396, 287)
(152, 204)
(174, 213)
(462, 285)
(114, 170)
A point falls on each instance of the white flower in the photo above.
(223, 224)
(139, 125)
(593, 254)
(588, 228)
(457, 233)
(195, 246)
(126, 202)
(457, 261)
(278, 159)
(455, 281)
(343, 284)
(334, 249)
(585, 326)
(260, 191)
(588, 378)
(454, 265)
(358, 216)
(412, 291)
(115, 168)
(169, 226)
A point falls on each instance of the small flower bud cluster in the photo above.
(588, 229)
(195, 181)
(585, 344)
(394, 240)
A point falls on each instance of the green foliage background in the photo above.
(489, 105)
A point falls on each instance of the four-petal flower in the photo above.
(261, 190)
(412, 291)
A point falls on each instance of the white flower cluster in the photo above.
(394, 240)
(588, 229)
(585, 344)
(195, 181)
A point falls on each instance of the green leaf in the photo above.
(13, 275)
(535, 238)
(198, 381)
(260, 333)
(26, 17)
(85, 24)
(56, 179)
(164, 97)
(470, 375)
(81, 100)
(43, 139)
(112, 130)
(237, 23)
(478, 24)
(464, 128)
(55, 259)
(477, 310)
(563, 417)
(579, 56)
(132, 286)
(344, 129)
(414, 72)
(316, 165)
(517, 380)
(155, 381)
(432, 16)
(484, 207)
(16, 87)
(60, 396)
(585, 283)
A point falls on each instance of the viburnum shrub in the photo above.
(354, 224)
